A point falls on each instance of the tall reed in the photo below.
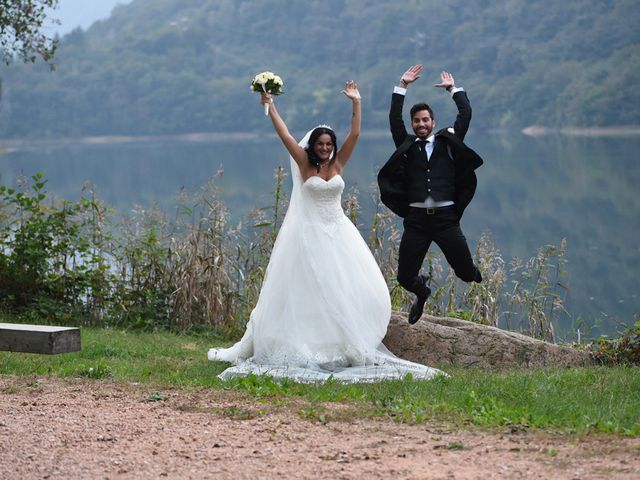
(200, 282)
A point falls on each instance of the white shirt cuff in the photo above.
(400, 90)
(456, 89)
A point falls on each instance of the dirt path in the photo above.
(51, 428)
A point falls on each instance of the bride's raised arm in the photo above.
(351, 91)
(290, 143)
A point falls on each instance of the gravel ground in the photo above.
(60, 428)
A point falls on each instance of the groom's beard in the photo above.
(422, 134)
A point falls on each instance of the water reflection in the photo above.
(532, 192)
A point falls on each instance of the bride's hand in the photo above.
(265, 98)
(351, 90)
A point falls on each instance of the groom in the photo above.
(429, 180)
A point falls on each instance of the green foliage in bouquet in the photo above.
(267, 82)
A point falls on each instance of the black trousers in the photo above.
(422, 228)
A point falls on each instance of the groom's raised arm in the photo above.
(463, 119)
(396, 124)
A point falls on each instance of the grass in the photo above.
(581, 400)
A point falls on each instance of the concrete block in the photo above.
(51, 340)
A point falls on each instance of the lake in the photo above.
(532, 191)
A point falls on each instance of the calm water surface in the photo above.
(531, 192)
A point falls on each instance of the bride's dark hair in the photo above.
(311, 154)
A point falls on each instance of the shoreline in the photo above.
(8, 145)
(595, 132)
(11, 144)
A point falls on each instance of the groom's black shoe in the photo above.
(478, 278)
(418, 307)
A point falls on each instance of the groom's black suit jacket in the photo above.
(403, 179)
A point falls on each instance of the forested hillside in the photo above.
(175, 66)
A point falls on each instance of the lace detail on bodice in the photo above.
(325, 198)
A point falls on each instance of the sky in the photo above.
(81, 13)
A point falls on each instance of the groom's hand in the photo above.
(411, 75)
(446, 81)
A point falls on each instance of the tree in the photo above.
(20, 30)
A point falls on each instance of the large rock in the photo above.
(440, 341)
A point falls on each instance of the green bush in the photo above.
(623, 350)
(45, 255)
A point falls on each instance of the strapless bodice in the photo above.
(324, 197)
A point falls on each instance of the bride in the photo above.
(324, 306)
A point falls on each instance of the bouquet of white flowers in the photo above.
(267, 82)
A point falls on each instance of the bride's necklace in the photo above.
(325, 163)
(321, 164)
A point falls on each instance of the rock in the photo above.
(438, 341)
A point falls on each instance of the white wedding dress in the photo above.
(324, 306)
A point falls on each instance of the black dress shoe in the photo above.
(418, 307)
(478, 278)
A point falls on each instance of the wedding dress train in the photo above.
(324, 306)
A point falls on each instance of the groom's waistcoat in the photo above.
(434, 178)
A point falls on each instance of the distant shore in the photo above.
(9, 145)
(538, 131)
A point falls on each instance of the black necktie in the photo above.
(423, 147)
